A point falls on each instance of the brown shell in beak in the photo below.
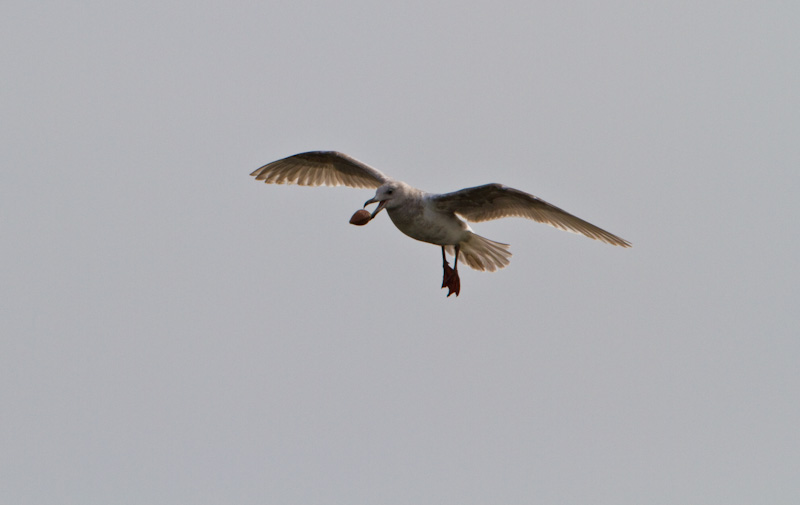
(361, 217)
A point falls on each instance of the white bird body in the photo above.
(433, 218)
(413, 213)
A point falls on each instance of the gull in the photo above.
(429, 217)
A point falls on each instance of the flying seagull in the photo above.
(428, 217)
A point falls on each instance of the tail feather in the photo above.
(481, 253)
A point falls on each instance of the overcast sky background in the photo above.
(175, 332)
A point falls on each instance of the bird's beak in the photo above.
(381, 205)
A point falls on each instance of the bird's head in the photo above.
(389, 195)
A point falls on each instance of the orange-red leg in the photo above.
(451, 281)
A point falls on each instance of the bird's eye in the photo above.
(389, 191)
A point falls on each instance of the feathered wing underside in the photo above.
(495, 201)
(321, 168)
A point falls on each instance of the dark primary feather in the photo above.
(321, 168)
(495, 201)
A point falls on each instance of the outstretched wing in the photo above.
(321, 168)
(494, 201)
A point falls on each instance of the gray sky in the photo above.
(174, 332)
